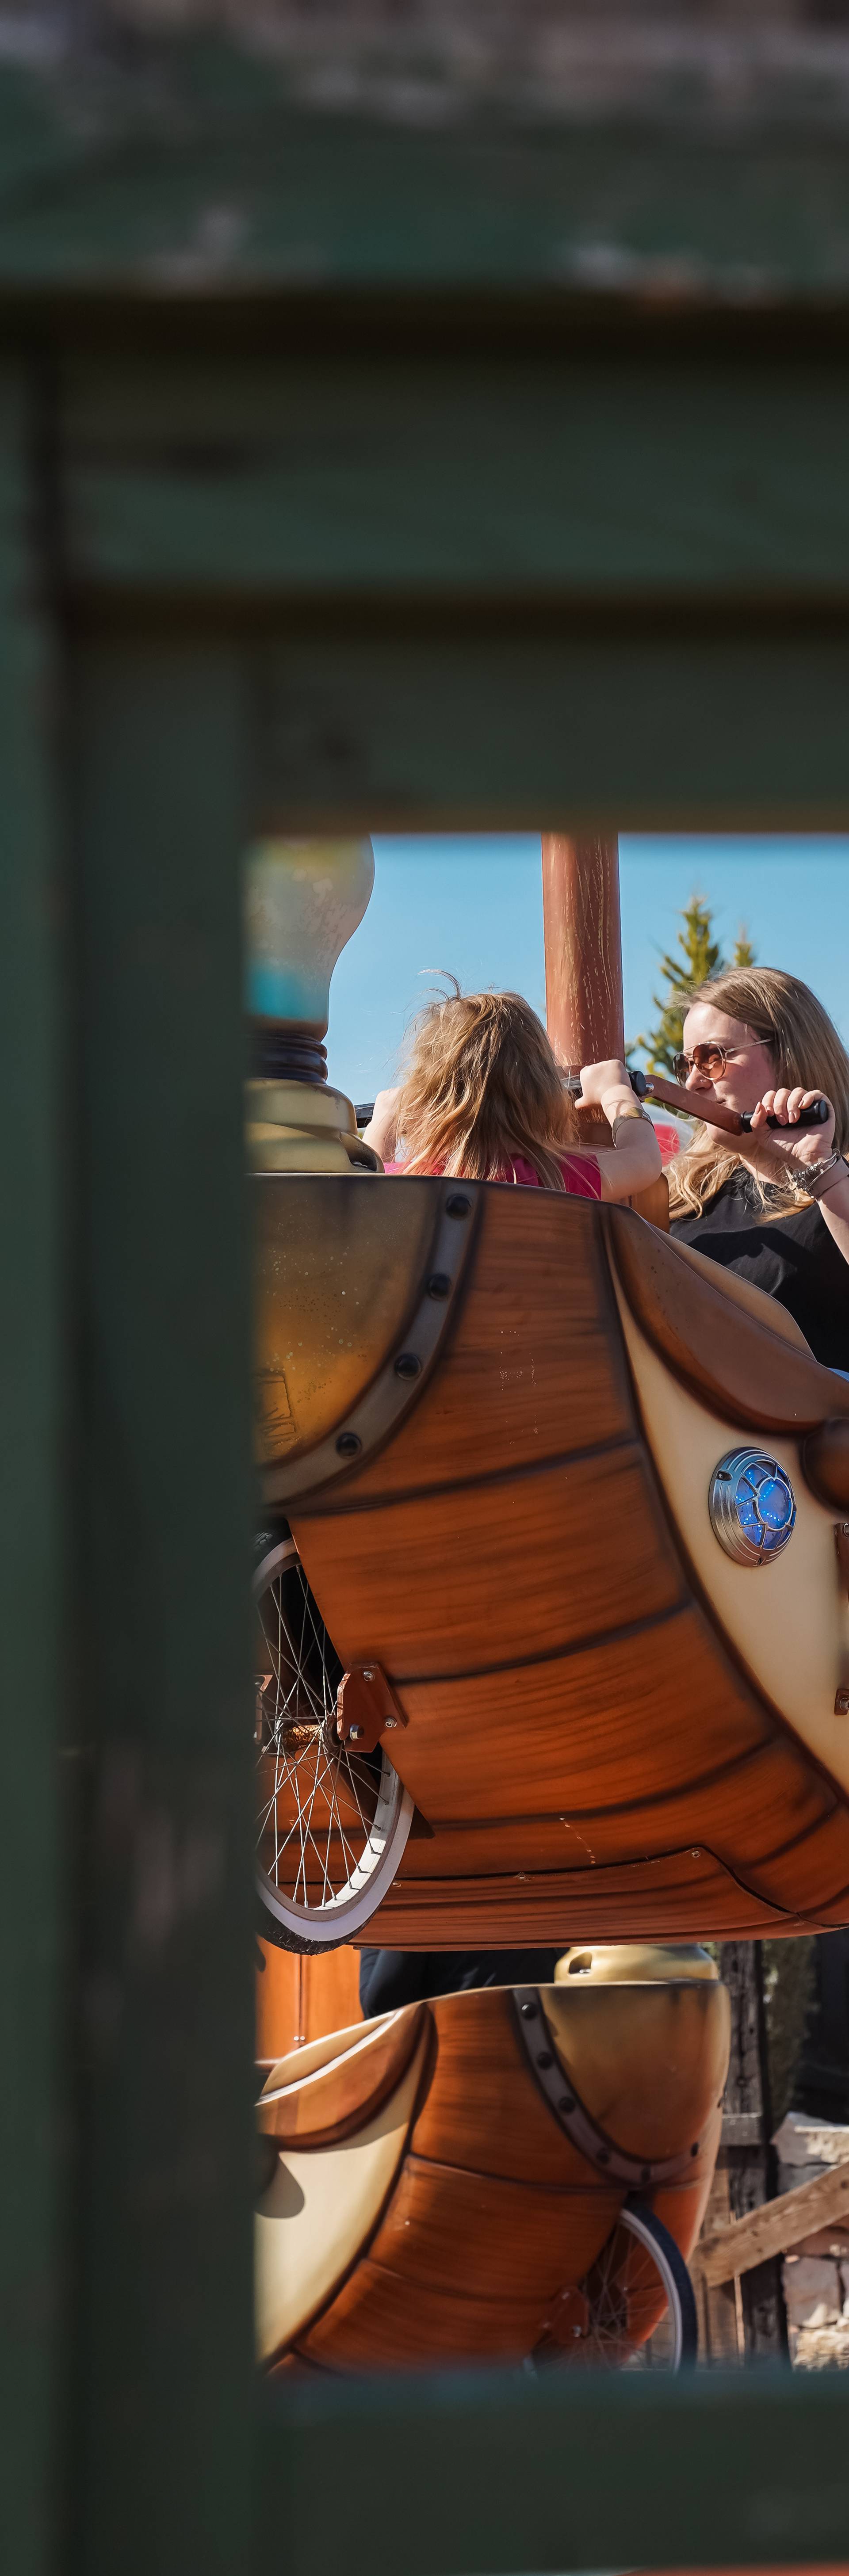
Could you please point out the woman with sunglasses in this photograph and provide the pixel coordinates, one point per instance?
(773, 1205)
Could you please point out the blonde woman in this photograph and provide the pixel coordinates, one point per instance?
(774, 1207)
(482, 1099)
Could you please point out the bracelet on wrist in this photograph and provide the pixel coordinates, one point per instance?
(630, 1115)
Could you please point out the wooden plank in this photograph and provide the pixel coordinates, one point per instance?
(387, 470)
(460, 721)
(164, 2360)
(776, 2227)
(548, 155)
(711, 2469)
(718, 2305)
(34, 1678)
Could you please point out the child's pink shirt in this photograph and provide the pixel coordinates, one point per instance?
(581, 1175)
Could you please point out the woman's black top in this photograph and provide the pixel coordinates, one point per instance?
(792, 1256)
(392, 1977)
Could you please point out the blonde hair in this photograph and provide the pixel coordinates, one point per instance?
(805, 1048)
(480, 1087)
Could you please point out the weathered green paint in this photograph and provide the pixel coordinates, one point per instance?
(34, 1894)
(627, 475)
(496, 2475)
(163, 2359)
(178, 166)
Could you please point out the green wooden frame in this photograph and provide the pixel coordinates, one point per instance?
(381, 552)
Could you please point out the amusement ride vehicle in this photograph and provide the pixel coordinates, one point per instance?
(527, 1666)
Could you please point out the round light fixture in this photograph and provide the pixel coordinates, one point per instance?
(752, 1506)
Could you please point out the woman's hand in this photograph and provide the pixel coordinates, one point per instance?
(798, 1145)
(607, 1086)
(381, 1131)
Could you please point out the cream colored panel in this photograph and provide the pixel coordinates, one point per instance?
(317, 2056)
(317, 2212)
(789, 1621)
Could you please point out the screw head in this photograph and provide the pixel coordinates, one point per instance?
(457, 1205)
(348, 1444)
(545, 2057)
(566, 2103)
(604, 2155)
(439, 1284)
(529, 2012)
(407, 1364)
(388, 1722)
(368, 1675)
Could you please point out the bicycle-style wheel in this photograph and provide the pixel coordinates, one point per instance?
(331, 1823)
(635, 2308)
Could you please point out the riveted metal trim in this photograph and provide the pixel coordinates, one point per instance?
(399, 1382)
(575, 2120)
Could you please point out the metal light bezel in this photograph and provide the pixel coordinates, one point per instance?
(723, 1505)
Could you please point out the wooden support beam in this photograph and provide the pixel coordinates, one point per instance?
(583, 948)
(776, 2227)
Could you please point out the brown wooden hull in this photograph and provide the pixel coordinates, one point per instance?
(600, 1740)
(491, 2213)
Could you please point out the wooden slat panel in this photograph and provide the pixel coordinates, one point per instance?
(489, 2237)
(482, 2108)
(298, 1999)
(488, 1572)
(530, 1369)
(39, 1162)
(377, 2324)
(613, 1722)
(688, 1895)
(755, 1807)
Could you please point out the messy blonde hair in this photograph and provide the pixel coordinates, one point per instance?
(805, 1048)
(481, 1086)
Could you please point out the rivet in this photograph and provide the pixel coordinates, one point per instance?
(695, 1855)
(545, 2057)
(348, 1444)
(529, 2012)
(439, 1284)
(604, 2155)
(566, 2103)
(407, 1364)
(457, 1205)
(387, 1722)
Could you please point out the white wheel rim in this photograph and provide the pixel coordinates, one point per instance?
(325, 1864)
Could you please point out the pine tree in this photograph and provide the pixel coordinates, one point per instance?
(699, 957)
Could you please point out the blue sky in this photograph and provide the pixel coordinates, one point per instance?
(474, 903)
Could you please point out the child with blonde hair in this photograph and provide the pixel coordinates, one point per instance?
(482, 1098)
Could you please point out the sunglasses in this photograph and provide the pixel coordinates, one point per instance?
(710, 1058)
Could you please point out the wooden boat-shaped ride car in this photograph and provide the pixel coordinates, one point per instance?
(495, 2175)
(529, 1467)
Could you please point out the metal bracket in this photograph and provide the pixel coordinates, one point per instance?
(366, 1707)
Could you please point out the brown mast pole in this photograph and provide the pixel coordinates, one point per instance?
(583, 948)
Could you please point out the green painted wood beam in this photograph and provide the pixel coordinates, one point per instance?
(37, 1779)
(178, 167)
(627, 475)
(501, 2475)
(162, 2360)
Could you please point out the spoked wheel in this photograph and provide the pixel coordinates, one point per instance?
(331, 1823)
(635, 2309)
